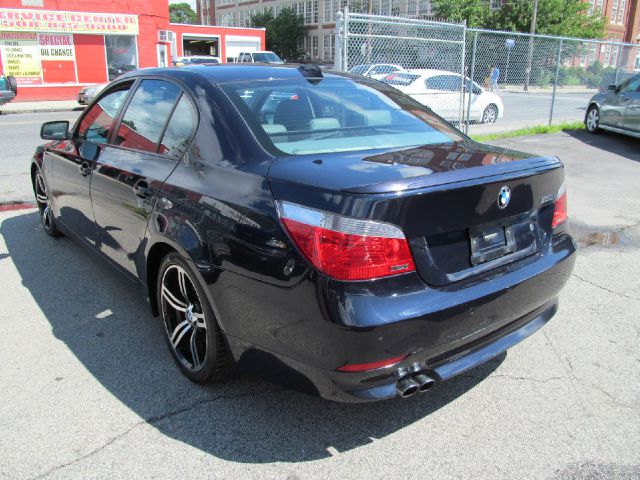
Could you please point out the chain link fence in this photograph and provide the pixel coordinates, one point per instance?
(511, 80)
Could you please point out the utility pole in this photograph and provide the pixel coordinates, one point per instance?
(370, 12)
(530, 54)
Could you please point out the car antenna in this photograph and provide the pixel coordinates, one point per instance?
(311, 71)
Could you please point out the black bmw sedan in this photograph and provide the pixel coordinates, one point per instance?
(316, 226)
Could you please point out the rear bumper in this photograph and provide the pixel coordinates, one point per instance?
(470, 357)
(309, 331)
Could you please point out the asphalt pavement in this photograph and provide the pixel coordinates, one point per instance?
(89, 389)
(530, 109)
(19, 137)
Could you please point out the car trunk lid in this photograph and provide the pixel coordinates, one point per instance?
(444, 197)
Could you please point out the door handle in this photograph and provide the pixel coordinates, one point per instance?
(85, 169)
(142, 190)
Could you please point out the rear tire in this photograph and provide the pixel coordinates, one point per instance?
(195, 340)
(13, 84)
(490, 114)
(592, 121)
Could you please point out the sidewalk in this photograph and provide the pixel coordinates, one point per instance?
(42, 106)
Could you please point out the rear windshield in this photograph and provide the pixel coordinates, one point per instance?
(400, 79)
(268, 57)
(359, 70)
(203, 60)
(334, 115)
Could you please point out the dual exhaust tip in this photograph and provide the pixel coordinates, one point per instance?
(412, 384)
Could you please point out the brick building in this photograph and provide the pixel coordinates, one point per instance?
(623, 25)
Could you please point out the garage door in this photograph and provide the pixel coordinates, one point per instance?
(237, 44)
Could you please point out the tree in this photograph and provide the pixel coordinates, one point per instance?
(265, 20)
(283, 33)
(182, 13)
(475, 12)
(568, 18)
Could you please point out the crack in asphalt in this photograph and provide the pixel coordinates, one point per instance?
(567, 362)
(605, 288)
(149, 421)
(527, 379)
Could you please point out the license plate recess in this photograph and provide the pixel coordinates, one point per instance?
(491, 242)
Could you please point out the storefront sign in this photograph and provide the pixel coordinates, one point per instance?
(20, 57)
(72, 22)
(56, 47)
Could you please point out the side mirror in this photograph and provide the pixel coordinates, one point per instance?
(612, 88)
(58, 130)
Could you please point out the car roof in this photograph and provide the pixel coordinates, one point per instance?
(228, 72)
(431, 72)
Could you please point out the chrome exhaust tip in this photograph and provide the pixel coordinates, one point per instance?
(407, 387)
(425, 382)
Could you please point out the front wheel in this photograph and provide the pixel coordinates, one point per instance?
(490, 114)
(593, 120)
(195, 340)
(43, 201)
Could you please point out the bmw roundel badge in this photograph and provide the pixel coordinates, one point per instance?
(504, 196)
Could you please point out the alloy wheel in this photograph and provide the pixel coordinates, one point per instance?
(184, 317)
(490, 115)
(44, 206)
(593, 120)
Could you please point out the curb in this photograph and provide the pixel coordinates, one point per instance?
(9, 207)
(39, 110)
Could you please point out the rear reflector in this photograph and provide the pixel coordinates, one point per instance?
(364, 367)
(560, 214)
(347, 248)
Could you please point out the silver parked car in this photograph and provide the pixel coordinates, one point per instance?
(617, 109)
(86, 94)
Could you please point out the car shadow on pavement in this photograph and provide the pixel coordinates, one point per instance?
(612, 142)
(103, 320)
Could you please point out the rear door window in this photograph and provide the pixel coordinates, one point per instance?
(147, 114)
(631, 85)
(180, 129)
(382, 69)
(450, 83)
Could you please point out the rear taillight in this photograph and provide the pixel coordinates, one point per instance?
(347, 248)
(560, 208)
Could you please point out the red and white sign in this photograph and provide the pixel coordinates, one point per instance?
(72, 22)
(55, 46)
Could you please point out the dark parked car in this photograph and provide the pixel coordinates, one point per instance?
(346, 239)
(617, 109)
(8, 89)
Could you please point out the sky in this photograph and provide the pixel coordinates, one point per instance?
(190, 2)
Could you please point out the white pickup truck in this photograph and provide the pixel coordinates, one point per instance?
(264, 56)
